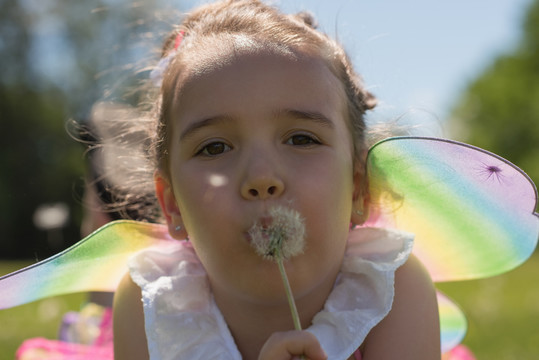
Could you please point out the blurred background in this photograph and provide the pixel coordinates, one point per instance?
(464, 70)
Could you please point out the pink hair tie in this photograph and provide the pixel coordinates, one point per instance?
(157, 73)
(179, 39)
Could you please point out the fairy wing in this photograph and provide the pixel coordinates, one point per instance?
(96, 263)
(453, 324)
(472, 212)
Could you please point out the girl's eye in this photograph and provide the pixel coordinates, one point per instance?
(214, 149)
(302, 140)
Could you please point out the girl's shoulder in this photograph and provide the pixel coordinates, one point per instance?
(364, 290)
(128, 322)
(413, 322)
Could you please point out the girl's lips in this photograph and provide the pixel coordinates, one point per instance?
(264, 222)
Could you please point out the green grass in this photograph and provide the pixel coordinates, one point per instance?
(503, 314)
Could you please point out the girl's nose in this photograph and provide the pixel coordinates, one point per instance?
(262, 183)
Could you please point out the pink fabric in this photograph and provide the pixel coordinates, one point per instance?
(44, 349)
(459, 352)
(105, 337)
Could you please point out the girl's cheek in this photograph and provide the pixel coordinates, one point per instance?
(212, 188)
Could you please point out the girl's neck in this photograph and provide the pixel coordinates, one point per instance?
(251, 324)
(251, 328)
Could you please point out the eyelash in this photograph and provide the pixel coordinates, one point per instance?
(223, 147)
(311, 139)
(204, 150)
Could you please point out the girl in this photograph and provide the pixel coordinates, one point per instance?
(258, 110)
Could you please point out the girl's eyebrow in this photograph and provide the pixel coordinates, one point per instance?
(315, 116)
(197, 125)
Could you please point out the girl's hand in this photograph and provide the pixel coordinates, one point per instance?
(291, 345)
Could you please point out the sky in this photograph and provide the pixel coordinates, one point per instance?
(417, 56)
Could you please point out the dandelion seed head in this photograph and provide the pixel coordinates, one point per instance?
(284, 237)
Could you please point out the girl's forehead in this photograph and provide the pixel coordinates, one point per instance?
(219, 51)
(220, 54)
(281, 71)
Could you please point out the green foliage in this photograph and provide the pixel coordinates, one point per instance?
(500, 109)
(531, 28)
(58, 58)
(42, 164)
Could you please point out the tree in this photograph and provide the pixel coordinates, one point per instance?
(499, 111)
(58, 57)
(40, 165)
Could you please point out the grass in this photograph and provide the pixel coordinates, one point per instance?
(503, 314)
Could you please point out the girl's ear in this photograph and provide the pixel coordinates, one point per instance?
(361, 198)
(169, 206)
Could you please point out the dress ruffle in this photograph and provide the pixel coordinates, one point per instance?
(183, 321)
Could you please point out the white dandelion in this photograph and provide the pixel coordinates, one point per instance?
(281, 239)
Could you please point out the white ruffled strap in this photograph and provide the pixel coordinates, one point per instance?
(181, 318)
(363, 294)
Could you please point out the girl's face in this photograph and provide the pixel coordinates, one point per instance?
(254, 131)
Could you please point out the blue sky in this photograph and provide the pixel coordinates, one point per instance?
(418, 55)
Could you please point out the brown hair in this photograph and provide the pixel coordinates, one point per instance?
(266, 25)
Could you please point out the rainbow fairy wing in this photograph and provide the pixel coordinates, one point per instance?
(96, 263)
(471, 211)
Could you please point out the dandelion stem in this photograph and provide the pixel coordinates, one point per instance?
(290, 297)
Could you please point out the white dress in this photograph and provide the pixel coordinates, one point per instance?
(183, 322)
